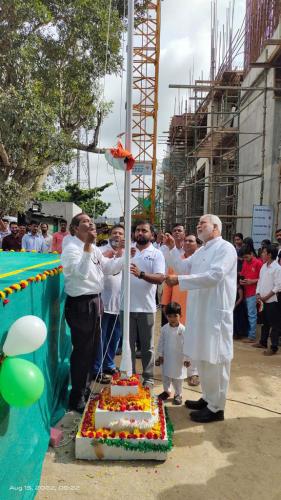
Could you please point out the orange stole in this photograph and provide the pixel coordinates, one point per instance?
(174, 294)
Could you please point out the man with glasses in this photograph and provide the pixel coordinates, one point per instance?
(210, 276)
(84, 267)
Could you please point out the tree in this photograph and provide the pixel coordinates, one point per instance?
(54, 54)
(88, 199)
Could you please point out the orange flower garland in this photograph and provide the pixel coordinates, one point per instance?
(131, 381)
(141, 401)
(87, 427)
(24, 283)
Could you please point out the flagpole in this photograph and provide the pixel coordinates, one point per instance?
(126, 361)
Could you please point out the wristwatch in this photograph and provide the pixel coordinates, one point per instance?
(142, 275)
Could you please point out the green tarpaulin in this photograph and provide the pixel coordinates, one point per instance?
(25, 432)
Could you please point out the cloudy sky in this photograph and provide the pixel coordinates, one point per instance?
(185, 43)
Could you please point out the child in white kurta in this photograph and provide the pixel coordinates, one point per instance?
(170, 354)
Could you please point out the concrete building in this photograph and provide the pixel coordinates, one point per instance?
(260, 113)
(51, 212)
(225, 157)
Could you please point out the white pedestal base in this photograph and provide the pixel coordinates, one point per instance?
(90, 449)
(119, 390)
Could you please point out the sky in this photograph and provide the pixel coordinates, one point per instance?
(185, 44)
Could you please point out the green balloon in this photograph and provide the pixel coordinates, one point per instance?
(21, 382)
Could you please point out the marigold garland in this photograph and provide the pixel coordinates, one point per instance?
(131, 381)
(22, 284)
(140, 401)
(142, 446)
(157, 431)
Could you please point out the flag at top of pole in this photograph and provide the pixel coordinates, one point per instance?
(120, 158)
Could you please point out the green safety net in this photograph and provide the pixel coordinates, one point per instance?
(25, 432)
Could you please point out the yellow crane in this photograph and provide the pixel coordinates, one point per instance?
(145, 109)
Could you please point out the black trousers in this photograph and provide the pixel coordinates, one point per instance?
(83, 315)
(271, 325)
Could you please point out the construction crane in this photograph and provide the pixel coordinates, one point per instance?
(145, 109)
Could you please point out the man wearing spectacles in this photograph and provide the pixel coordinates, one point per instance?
(84, 267)
(210, 276)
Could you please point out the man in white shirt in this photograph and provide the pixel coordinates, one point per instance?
(34, 241)
(210, 276)
(147, 270)
(269, 285)
(111, 330)
(84, 267)
(47, 237)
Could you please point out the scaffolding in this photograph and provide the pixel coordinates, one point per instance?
(201, 170)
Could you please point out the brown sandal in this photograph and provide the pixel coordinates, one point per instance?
(193, 380)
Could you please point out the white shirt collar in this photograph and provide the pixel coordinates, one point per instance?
(212, 242)
(150, 248)
(78, 241)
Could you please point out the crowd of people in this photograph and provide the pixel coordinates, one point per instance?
(197, 306)
(209, 291)
(258, 298)
(34, 236)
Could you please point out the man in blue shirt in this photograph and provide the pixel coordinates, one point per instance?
(34, 240)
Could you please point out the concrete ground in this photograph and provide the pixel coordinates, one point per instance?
(238, 459)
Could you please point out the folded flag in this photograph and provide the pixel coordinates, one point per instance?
(120, 158)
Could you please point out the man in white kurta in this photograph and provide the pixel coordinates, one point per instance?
(210, 276)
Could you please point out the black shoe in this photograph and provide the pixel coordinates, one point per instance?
(87, 393)
(204, 416)
(196, 405)
(269, 353)
(259, 345)
(177, 400)
(79, 407)
(102, 378)
(164, 395)
(111, 371)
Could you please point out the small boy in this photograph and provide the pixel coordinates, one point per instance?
(170, 354)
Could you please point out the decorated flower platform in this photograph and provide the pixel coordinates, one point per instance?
(124, 422)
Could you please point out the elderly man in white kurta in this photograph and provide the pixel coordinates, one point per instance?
(210, 276)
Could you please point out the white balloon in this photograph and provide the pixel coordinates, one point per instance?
(25, 335)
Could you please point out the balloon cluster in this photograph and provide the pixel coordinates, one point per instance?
(21, 382)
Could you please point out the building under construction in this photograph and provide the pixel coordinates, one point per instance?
(224, 155)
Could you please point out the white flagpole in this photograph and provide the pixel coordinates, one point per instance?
(126, 361)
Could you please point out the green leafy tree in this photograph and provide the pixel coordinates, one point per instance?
(88, 199)
(54, 55)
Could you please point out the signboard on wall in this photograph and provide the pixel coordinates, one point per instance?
(262, 224)
(142, 168)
